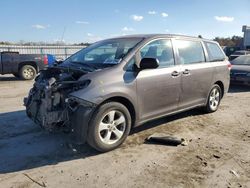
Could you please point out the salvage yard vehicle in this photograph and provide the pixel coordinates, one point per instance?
(238, 53)
(240, 72)
(106, 89)
(24, 66)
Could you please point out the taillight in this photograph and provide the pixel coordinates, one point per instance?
(229, 65)
(45, 60)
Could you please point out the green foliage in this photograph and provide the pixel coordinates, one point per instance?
(230, 41)
(4, 43)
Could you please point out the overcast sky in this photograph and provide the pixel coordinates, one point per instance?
(79, 21)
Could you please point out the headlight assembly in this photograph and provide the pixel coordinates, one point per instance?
(74, 85)
(73, 102)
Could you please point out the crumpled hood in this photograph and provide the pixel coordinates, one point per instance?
(61, 73)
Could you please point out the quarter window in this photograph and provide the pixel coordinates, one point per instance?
(161, 50)
(190, 52)
(130, 65)
(214, 52)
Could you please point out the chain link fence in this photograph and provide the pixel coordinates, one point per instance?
(60, 52)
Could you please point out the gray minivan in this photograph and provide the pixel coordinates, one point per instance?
(104, 90)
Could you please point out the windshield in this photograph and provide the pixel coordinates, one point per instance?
(241, 60)
(103, 54)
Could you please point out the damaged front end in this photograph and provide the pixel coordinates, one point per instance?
(48, 103)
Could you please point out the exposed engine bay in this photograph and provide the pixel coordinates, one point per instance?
(47, 103)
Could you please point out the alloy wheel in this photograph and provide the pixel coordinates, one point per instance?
(112, 127)
(214, 98)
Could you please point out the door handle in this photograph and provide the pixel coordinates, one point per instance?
(186, 71)
(175, 74)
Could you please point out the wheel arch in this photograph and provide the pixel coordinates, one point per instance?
(221, 85)
(126, 102)
(32, 63)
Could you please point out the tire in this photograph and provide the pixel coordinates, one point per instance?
(109, 126)
(214, 99)
(27, 72)
(16, 75)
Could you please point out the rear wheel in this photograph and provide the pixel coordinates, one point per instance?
(27, 72)
(109, 127)
(214, 99)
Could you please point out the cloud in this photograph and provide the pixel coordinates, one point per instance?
(129, 29)
(38, 26)
(137, 18)
(90, 34)
(166, 30)
(224, 18)
(164, 14)
(152, 12)
(82, 22)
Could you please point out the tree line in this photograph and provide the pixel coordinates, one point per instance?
(230, 41)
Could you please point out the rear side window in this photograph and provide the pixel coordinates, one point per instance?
(214, 52)
(190, 52)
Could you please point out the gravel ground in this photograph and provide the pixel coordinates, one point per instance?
(217, 154)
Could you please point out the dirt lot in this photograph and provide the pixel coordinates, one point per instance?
(217, 155)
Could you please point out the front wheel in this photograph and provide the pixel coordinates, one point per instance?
(109, 127)
(214, 99)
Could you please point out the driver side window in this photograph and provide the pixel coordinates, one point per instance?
(159, 49)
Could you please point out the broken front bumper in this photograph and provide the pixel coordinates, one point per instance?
(45, 107)
(38, 112)
(79, 121)
(71, 113)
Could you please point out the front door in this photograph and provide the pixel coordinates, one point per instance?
(158, 90)
(10, 62)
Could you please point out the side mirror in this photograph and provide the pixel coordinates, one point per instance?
(149, 63)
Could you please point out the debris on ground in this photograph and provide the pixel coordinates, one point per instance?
(40, 184)
(216, 156)
(48, 155)
(203, 161)
(164, 139)
(184, 142)
(234, 173)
